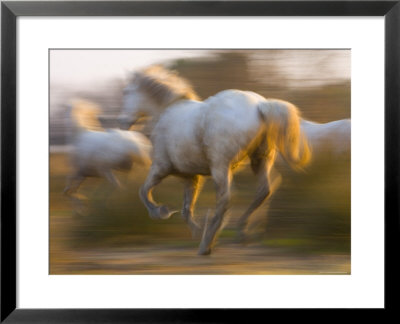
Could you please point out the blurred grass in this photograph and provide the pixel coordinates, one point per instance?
(310, 212)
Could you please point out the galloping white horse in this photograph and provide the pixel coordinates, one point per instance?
(98, 152)
(193, 139)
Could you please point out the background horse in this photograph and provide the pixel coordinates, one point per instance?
(192, 139)
(334, 137)
(330, 143)
(97, 152)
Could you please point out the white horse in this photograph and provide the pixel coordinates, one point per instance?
(193, 139)
(97, 152)
(330, 140)
(333, 137)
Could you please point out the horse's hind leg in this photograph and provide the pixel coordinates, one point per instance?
(155, 176)
(73, 184)
(222, 179)
(191, 192)
(261, 167)
(111, 178)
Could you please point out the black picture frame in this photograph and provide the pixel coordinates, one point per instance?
(11, 10)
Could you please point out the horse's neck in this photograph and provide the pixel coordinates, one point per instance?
(153, 120)
(74, 130)
(149, 127)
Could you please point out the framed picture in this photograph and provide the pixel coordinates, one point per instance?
(94, 254)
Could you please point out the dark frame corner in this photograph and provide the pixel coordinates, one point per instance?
(10, 10)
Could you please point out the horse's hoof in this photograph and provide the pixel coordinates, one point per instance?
(165, 213)
(204, 251)
(161, 212)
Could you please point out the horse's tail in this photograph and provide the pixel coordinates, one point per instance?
(284, 132)
(84, 115)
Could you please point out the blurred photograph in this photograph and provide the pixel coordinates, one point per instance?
(187, 162)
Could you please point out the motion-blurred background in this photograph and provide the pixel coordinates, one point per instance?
(305, 227)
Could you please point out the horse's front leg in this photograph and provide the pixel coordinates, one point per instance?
(222, 179)
(155, 176)
(192, 189)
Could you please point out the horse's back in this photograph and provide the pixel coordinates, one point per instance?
(233, 98)
(109, 150)
(342, 126)
(133, 144)
(130, 137)
(193, 135)
(232, 122)
(334, 136)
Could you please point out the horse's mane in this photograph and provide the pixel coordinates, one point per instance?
(163, 85)
(84, 114)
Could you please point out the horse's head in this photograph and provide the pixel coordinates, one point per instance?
(150, 92)
(136, 104)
